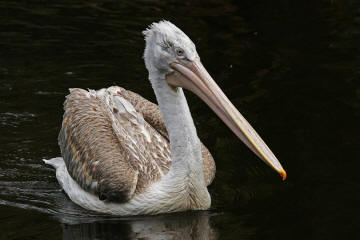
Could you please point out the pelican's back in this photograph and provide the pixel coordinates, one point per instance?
(108, 147)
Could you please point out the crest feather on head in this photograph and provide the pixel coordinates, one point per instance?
(163, 26)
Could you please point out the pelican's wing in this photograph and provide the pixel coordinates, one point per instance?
(107, 146)
(153, 116)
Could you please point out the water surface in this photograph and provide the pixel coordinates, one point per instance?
(291, 67)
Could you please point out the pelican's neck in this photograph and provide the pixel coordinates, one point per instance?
(184, 142)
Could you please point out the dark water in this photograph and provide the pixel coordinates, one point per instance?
(291, 67)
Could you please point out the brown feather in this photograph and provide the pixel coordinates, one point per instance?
(152, 114)
(113, 149)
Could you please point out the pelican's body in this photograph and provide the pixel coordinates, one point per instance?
(115, 148)
(124, 155)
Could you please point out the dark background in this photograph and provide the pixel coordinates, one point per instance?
(291, 67)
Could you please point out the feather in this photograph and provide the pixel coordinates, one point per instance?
(115, 143)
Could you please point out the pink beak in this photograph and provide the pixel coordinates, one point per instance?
(194, 77)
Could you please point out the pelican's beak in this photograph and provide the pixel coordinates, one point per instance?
(194, 77)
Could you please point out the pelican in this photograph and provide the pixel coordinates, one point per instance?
(123, 155)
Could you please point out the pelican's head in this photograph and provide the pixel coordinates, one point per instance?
(169, 52)
(165, 44)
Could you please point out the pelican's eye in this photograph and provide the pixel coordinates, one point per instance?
(179, 52)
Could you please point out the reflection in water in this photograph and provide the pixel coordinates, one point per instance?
(78, 223)
(175, 226)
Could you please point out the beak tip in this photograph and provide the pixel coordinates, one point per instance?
(283, 174)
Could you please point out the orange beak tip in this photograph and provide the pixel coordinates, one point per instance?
(283, 174)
